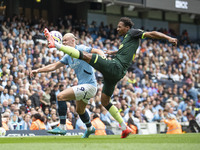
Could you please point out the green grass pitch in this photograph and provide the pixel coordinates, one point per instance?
(110, 142)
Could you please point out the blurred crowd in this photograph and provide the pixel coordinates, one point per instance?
(162, 79)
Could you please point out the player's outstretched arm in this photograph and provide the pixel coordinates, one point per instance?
(47, 68)
(159, 35)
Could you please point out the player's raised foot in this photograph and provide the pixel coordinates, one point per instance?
(50, 39)
(88, 132)
(57, 130)
(126, 132)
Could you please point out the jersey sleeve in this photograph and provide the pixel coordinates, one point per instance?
(83, 48)
(64, 60)
(137, 33)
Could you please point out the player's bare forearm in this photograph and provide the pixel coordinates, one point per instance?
(50, 67)
(98, 51)
(159, 35)
(110, 52)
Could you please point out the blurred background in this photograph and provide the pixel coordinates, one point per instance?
(177, 15)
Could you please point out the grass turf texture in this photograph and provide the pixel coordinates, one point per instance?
(110, 142)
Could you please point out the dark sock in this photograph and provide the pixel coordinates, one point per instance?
(108, 106)
(86, 119)
(62, 111)
(81, 55)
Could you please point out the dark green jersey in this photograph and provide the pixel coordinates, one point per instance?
(128, 47)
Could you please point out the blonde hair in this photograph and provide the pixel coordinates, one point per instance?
(71, 35)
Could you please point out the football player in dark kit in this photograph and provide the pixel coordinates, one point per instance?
(115, 69)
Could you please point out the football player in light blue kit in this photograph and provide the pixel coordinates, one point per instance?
(86, 88)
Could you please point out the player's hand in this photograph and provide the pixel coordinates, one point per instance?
(109, 52)
(174, 41)
(103, 56)
(33, 73)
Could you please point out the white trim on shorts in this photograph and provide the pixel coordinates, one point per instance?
(84, 92)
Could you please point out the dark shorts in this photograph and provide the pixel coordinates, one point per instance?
(112, 72)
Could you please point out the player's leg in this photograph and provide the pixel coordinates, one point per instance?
(62, 97)
(71, 51)
(80, 109)
(83, 93)
(108, 89)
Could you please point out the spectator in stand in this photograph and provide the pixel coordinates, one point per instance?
(26, 122)
(133, 126)
(13, 123)
(192, 92)
(37, 122)
(194, 127)
(173, 126)
(5, 120)
(4, 95)
(46, 122)
(54, 121)
(53, 94)
(5, 105)
(180, 117)
(35, 99)
(80, 124)
(21, 96)
(106, 117)
(45, 101)
(183, 104)
(28, 106)
(12, 96)
(158, 116)
(98, 124)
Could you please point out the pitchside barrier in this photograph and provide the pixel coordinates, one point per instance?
(145, 128)
(14, 133)
(149, 128)
(156, 128)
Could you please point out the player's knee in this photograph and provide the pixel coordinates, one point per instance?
(104, 103)
(59, 97)
(80, 111)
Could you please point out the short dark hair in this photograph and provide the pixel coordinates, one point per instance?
(127, 21)
(38, 116)
(95, 116)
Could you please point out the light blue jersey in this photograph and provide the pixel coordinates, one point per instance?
(84, 72)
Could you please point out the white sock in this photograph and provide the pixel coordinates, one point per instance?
(62, 126)
(123, 126)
